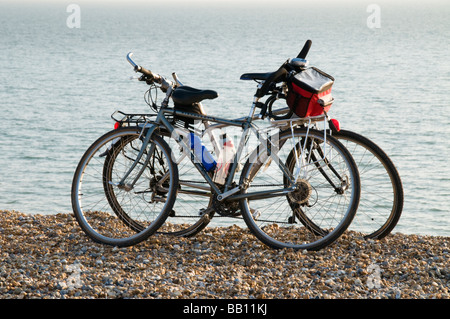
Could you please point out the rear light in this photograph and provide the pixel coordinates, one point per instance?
(335, 125)
(117, 125)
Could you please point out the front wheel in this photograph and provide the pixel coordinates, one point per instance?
(124, 214)
(306, 196)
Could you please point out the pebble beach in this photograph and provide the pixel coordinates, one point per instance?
(50, 257)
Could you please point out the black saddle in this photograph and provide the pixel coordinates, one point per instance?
(256, 76)
(186, 95)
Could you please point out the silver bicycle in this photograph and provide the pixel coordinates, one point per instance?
(298, 187)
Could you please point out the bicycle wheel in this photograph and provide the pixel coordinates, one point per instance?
(319, 186)
(381, 202)
(192, 209)
(123, 215)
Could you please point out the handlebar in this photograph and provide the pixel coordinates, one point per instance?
(275, 77)
(129, 55)
(150, 78)
(282, 72)
(304, 52)
(149, 75)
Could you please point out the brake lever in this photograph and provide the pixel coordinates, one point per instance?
(142, 78)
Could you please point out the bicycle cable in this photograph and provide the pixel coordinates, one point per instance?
(148, 97)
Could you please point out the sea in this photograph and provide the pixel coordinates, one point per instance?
(63, 72)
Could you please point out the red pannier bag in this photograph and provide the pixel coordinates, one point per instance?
(309, 92)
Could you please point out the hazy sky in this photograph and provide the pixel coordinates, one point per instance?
(228, 2)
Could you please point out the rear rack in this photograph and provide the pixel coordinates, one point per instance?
(144, 119)
(132, 118)
(298, 120)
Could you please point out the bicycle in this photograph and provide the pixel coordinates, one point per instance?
(381, 203)
(382, 197)
(310, 177)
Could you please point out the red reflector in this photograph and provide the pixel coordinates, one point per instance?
(336, 124)
(116, 125)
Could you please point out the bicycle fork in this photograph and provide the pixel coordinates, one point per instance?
(128, 187)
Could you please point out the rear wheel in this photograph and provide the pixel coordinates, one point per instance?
(381, 201)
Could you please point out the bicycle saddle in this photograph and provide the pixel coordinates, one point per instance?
(188, 95)
(256, 76)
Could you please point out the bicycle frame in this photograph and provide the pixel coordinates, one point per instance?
(245, 123)
(228, 191)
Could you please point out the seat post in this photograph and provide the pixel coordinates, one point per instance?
(255, 101)
(253, 107)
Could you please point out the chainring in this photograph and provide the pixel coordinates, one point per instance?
(226, 208)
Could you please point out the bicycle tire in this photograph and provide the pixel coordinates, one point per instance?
(191, 213)
(95, 191)
(278, 228)
(382, 196)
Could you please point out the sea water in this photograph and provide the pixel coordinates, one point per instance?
(63, 72)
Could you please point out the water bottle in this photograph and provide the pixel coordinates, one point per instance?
(202, 152)
(224, 160)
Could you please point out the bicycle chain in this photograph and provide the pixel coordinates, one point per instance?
(265, 185)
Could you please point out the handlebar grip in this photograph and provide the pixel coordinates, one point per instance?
(144, 71)
(304, 52)
(150, 76)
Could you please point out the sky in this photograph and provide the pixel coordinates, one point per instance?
(225, 2)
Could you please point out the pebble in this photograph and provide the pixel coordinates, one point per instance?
(49, 257)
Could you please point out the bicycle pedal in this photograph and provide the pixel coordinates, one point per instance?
(157, 199)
